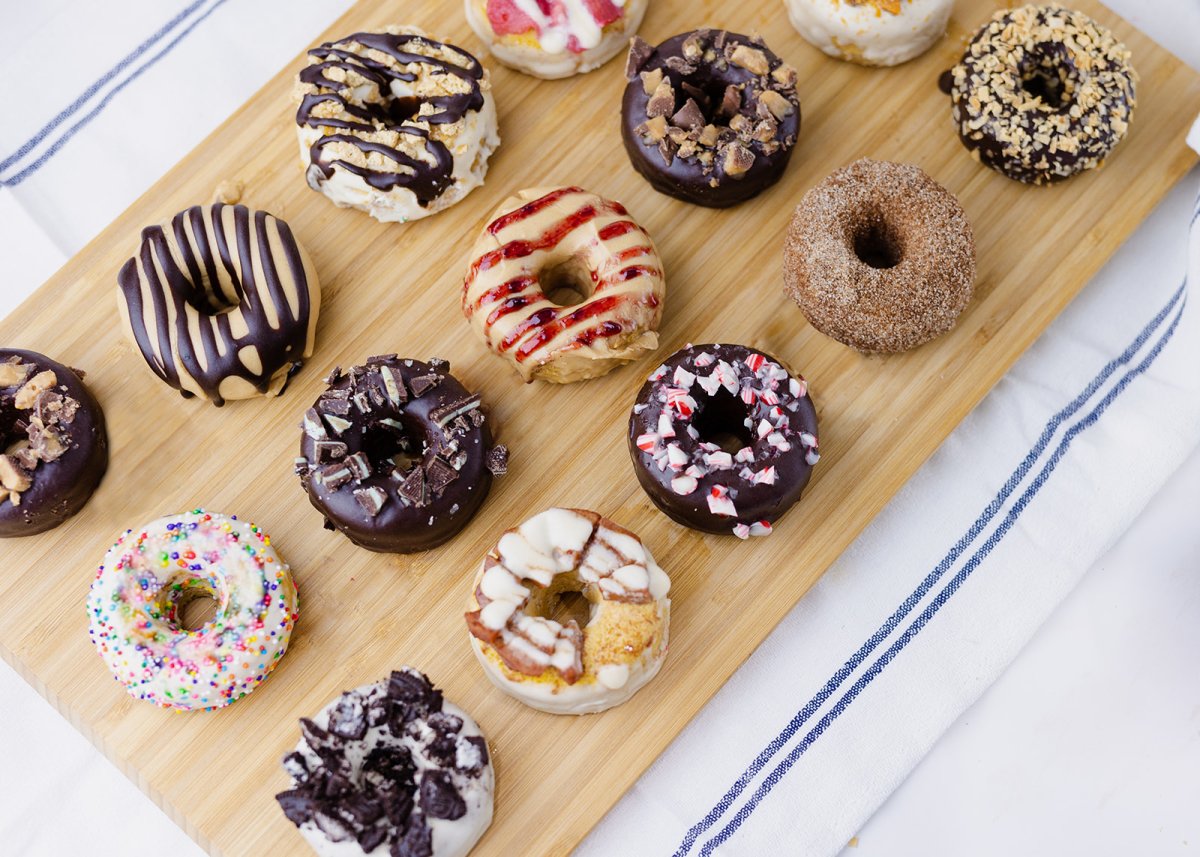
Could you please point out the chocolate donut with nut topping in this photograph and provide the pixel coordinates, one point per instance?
(709, 117)
(54, 444)
(397, 454)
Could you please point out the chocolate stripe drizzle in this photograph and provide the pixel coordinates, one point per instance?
(429, 177)
(197, 291)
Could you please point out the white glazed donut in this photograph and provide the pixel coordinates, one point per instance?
(565, 669)
(395, 123)
(544, 239)
(555, 38)
(390, 768)
(871, 32)
(153, 571)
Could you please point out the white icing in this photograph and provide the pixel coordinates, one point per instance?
(613, 676)
(865, 34)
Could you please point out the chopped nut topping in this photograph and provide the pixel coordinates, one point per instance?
(751, 59)
(738, 159)
(27, 396)
(709, 136)
(779, 106)
(655, 129)
(785, 76)
(11, 476)
(14, 373)
(651, 79)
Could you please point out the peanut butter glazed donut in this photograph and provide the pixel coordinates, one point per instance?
(555, 38)
(871, 32)
(390, 768)
(563, 668)
(1042, 93)
(55, 447)
(397, 455)
(709, 117)
(723, 439)
(148, 577)
(543, 244)
(880, 257)
(222, 302)
(396, 123)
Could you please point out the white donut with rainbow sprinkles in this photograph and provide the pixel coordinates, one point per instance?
(153, 572)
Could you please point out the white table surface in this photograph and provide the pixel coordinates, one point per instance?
(1088, 744)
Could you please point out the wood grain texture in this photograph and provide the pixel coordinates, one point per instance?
(396, 288)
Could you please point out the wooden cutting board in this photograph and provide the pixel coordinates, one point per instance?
(396, 288)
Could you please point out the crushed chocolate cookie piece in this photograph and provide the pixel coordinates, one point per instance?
(497, 460)
(439, 797)
(371, 499)
(439, 474)
(689, 116)
(412, 489)
(639, 53)
(422, 384)
(348, 719)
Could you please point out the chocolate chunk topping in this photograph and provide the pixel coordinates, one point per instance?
(360, 467)
(393, 385)
(497, 460)
(446, 413)
(371, 838)
(439, 797)
(439, 474)
(380, 358)
(639, 52)
(334, 476)
(437, 364)
(689, 116)
(371, 499)
(313, 427)
(412, 488)
(422, 384)
(339, 407)
(329, 450)
(338, 424)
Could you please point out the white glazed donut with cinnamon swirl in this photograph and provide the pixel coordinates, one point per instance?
(560, 667)
(564, 284)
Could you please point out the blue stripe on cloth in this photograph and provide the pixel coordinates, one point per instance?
(926, 585)
(944, 596)
(91, 114)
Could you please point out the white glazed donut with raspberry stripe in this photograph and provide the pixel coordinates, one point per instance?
(544, 243)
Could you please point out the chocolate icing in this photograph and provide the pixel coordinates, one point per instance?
(275, 329)
(700, 420)
(1024, 103)
(60, 487)
(700, 67)
(397, 454)
(426, 180)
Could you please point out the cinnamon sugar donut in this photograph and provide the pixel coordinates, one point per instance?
(560, 667)
(544, 243)
(880, 257)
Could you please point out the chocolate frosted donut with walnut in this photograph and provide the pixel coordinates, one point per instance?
(1042, 93)
(55, 448)
(397, 454)
(880, 257)
(723, 439)
(395, 123)
(709, 117)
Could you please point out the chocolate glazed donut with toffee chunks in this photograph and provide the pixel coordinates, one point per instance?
(397, 454)
(222, 301)
(709, 117)
(54, 441)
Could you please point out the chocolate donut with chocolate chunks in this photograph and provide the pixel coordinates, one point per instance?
(397, 454)
(709, 117)
(55, 447)
(724, 439)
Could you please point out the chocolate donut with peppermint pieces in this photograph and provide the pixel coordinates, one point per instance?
(709, 117)
(390, 768)
(397, 454)
(53, 444)
(724, 439)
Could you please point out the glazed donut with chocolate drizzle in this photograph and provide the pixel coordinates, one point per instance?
(1042, 93)
(395, 123)
(222, 301)
(724, 439)
(397, 454)
(560, 667)
(545, 243)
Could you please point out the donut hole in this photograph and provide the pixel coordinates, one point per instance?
(209, 298)
(190, 603)
(721, 419)
(387, 446)
(1048, 77)
(567, 283)
(562, 601)
(402, 108)
(876, 242)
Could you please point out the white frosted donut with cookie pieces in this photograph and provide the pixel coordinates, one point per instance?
(544, 242)
(871, 32)
(555, 38)
(563, 668)
(395, 123)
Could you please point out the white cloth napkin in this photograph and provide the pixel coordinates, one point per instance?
(902, 634)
